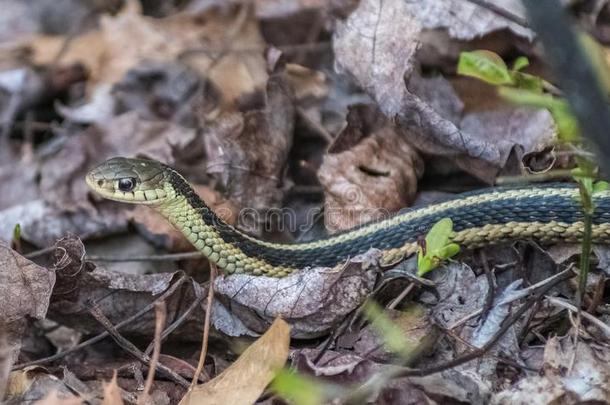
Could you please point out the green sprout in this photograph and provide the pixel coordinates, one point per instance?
(437, 247)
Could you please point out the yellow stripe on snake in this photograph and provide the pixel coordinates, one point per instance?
(548, 213)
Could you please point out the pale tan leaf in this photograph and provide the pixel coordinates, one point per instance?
(245, 380)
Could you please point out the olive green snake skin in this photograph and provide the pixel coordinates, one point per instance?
(548, 213)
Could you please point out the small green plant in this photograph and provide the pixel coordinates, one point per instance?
(298, 389)
(393, 338)
(524, 89)
(437, 247)
(490, 68)
(16, 241)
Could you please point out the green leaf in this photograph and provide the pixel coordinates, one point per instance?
(484, 65)
(437, 248)
(600, 186)
(526, 81)
(439, 234)
(297, 388)
(520, 63)
(17, 233)
(393, 338)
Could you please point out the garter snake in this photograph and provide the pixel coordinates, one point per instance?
(548, 213)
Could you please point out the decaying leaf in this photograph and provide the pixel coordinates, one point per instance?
(387, 75)
(311, 300)
(244, 381)
(25, 291)
(369, 173)
(571, 373)
(249, 152)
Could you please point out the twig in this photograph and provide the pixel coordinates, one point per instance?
(491, 292)
(501, 12)
(41, 252)
(172, 327)
(103, 335)
(160, 316)
(401, 296)
(206, 327)
(564, 304)
(148, 258)
(398, 372)
(131, 348)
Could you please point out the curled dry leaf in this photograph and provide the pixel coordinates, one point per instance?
(372, 174)
(311, 300)
(249, 152)
(130, 293)
(244, 381)
(25, 291)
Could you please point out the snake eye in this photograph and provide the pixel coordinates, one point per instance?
(127, 183)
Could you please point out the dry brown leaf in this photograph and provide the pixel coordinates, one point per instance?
(249, 152)
(308, 84)
(244, 381)
(25, 291)
(112, 392)
(312, 300)
(571, 374)
(87, 49)
(372, 179)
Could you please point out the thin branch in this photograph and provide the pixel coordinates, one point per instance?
(103, 335)
(566, 305)
(149, 258)
(160, 317)
(206, 326)
(501, 12)
(174, 325)
(564, 275)
(132, 349)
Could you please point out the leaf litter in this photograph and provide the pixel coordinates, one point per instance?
(291, 121)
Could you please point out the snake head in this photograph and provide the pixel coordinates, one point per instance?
(137, 181)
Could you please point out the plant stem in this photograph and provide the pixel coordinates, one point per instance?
(585, 257)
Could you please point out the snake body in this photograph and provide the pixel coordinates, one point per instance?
(549, 213)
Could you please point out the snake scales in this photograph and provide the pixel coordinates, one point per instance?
(546, 213)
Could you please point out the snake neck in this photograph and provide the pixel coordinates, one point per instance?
(230, 249)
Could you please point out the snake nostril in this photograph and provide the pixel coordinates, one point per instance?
(100, 183)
